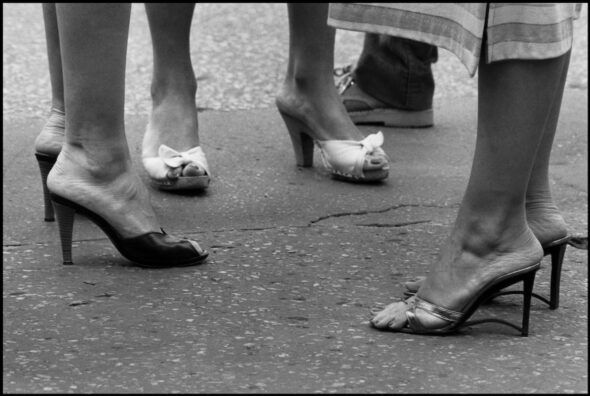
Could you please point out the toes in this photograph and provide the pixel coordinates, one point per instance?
(192, 170)
(376, 161)
(392, 316)
(174, 173)
(196, 246)
(189, 170)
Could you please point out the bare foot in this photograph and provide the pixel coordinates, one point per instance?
(467, 263)
(111, 189)
(174, 123)
(51, 138)
(545, 221)
(393, 316)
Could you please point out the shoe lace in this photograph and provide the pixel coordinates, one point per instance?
(345, 79)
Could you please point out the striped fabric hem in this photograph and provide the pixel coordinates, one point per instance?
(514, 31)
(531, 51)
(441, 31)
(527, 31)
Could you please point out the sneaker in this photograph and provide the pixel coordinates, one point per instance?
(365, 109)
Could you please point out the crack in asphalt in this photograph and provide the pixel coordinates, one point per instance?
(366, 212)
(393, 225)
(309, 224)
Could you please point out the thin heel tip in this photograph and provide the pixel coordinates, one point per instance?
(68, 263)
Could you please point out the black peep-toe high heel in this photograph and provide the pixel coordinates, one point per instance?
(153, 249)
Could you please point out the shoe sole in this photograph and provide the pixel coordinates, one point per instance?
(394, 118)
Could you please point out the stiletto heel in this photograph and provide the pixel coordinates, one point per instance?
(65, 223)
(557, 252)
(45, 164)
(302, 142)
(527, 294)
(458, 319)
(152, 249)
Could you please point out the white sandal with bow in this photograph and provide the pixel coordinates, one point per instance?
(168, 159)
(344, 158)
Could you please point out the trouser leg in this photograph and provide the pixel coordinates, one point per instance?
(397, 71)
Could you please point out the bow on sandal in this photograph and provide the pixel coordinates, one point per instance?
(168, 159)
(346, 158)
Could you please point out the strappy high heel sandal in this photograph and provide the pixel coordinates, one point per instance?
(55, 125)
(344, 158)
(152, 250)
(557, 251)
(459, 319)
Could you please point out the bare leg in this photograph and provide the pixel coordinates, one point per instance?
(51, 138)
(54, 56)
(542, 213)
(308, 91)
(173, 121)
(491, 236)
(94, 168)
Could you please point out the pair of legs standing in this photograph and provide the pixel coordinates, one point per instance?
(392, 83)
(94, 169)
(507, 210)
(173, 121)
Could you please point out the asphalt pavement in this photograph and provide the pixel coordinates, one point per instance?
(298, 259)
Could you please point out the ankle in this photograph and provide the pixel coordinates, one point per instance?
(105, 163)
(310, 83)
(58, 107)
(539, 197)
(482, 233)
(165, 88)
